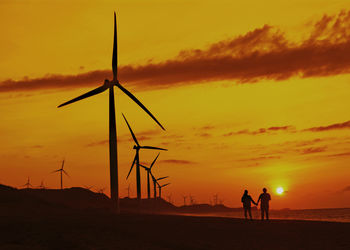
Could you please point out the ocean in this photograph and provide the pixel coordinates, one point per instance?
(325, 214)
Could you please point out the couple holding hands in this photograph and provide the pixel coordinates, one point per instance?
(264, 200)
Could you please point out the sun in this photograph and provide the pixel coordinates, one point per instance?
(280, 190)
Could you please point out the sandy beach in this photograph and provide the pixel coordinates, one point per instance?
(77, 218)
(95, 230)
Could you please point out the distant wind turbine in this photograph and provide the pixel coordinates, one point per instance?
(27, 185)
(160, 188)
(216, 199)
(192, 200)
(113, 153)
(101, 190)
(184, 197)
(148, 170)
(61, 170)
(42, 186)
(136, 160)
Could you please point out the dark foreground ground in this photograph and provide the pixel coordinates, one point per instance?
(96, 230)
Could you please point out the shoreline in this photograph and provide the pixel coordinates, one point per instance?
(217, 215)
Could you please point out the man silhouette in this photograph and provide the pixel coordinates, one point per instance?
(264, 205)
(247, 200)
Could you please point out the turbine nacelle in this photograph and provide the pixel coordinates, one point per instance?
(107, 83)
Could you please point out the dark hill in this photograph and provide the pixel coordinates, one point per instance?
(49, 200)
(76, 198)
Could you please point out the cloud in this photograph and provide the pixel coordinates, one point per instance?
(261, 158)
(261, 131)
(346, 189)
(148, 132)
(313, 150)
(205, 128)
(55, 82)
(264, 53)
(335, 126)
(141, 136)
(345, 154)
(98, 143)
(174, 161)
(308, 142)
(291, 129)
(204, 135)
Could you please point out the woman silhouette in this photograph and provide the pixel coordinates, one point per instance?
(247, 200)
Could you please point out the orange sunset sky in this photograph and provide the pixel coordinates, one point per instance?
(252, 94)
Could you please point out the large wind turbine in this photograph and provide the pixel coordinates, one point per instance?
(113, 154)
(61, 170)
(136, 160)
(148, 170)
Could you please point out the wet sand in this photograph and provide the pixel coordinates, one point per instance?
(97, 230)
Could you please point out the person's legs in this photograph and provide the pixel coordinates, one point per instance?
(262, 213)
(267, 213)
(250, 213)
(245, 212)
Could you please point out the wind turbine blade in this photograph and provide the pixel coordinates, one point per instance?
(132, 133)
(65, 173)
(153, 178)
(139, 103)
(150, 147)
(161, 178)
(56, 171)
(154, 161)
(165, 185)
(62, 164)
(88, 94)
(144, 167)
(132, 165)
(115, 51)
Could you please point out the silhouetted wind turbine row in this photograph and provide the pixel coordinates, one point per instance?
(148, 170)
(109, 84)
(136, 160)
(156, 183)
